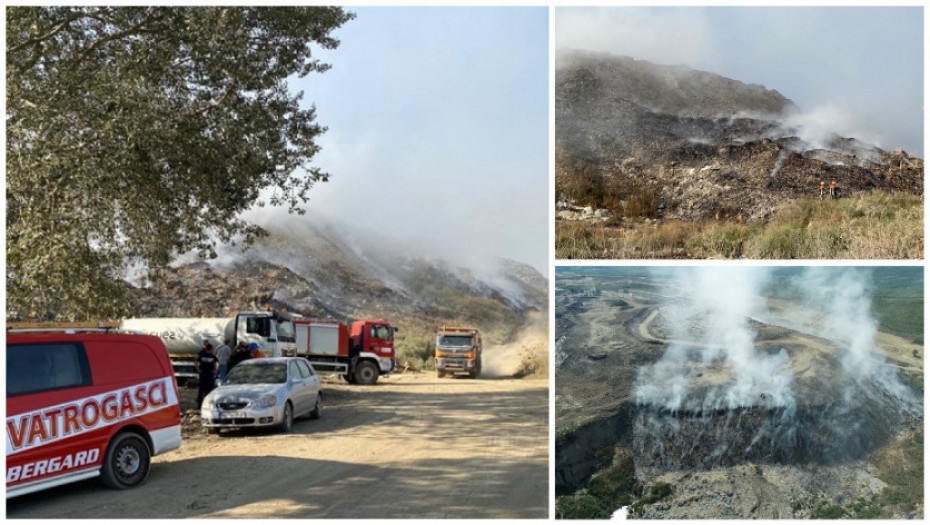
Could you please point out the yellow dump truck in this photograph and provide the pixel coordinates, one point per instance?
(458, 351)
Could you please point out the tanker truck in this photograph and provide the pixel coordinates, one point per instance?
(360, 352)
(184, 337)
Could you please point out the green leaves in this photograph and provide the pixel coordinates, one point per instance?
(137, 133)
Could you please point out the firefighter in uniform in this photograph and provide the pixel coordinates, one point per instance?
(207, 365)
(822, 187)
(833, 189)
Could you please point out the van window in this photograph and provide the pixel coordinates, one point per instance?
(32, 368)
(258, 325)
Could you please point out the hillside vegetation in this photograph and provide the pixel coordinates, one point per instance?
(656, 161)
(875, 225)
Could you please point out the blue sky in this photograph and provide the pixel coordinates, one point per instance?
(438, 130)
(857, 69)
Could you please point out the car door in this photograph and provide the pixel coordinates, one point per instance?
(42, 376)
(312, 381)
(298, 388)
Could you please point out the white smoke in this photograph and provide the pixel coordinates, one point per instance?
(843, 296)
(819, 127)
(712, 335)
(304, 244)
(716, 397)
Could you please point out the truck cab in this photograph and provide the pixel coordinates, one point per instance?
(458, 351)
(271, 329)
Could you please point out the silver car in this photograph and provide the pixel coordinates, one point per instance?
(264, 392)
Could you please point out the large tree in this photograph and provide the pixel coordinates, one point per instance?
(137, 133)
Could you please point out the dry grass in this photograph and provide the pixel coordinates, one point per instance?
(664, 240)
(873, 226)
(583, 180)
(901, 466)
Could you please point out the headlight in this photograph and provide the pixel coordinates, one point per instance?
(266, 401)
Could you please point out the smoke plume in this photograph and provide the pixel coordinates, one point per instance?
(720, 396)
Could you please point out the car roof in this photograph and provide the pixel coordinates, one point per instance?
(67, 336)
(270, 360)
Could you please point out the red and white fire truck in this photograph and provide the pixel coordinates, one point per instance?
(360, 352)
(82, 404)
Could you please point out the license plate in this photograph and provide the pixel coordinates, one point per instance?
(232, 415)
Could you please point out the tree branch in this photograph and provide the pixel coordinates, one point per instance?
(133, 30)
(41, 38)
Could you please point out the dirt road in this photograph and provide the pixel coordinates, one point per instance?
(412, 446)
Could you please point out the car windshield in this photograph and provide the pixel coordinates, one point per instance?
(257, 373)
(455, 340)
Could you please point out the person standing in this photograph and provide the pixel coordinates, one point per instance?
(222, 355)
(241, 354)
(206, 365)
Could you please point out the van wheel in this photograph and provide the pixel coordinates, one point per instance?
(127, 461)
(366, 373)
(288, 422)
(317, 411)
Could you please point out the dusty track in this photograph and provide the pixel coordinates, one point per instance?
(413, 446)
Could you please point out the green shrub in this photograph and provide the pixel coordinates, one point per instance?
(657, 492)
(828, 512)
(612, 484)
(872, 512)
(894, 496)
(865, 510)
(581, 508)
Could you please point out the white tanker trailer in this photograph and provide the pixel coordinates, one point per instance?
(184, 337)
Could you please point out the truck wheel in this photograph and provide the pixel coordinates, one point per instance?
(366, 373)
(288, 423)
(317, 411)
(349, 378)
(127, 461)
